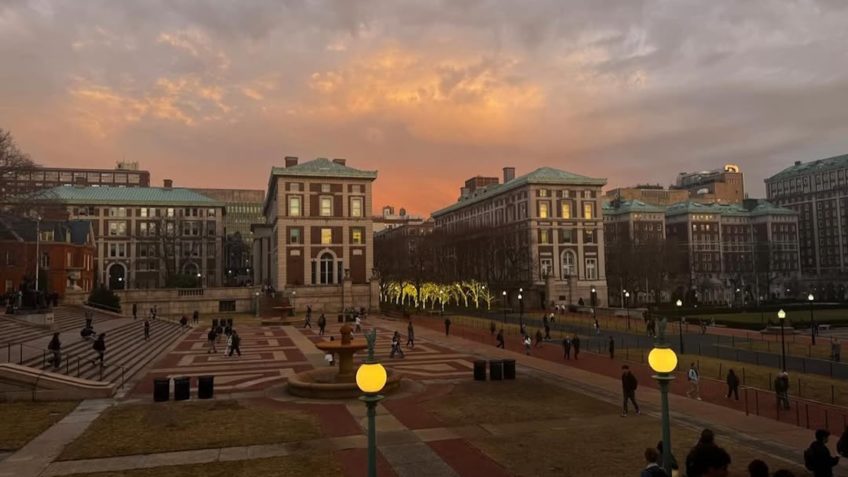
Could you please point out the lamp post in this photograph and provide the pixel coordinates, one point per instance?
(594, 298)
(37, 248)
(520, 306)
(504, 307)
(781, 315)
(680, 324)
(760, 306)
(200, 280)
(812, 299)
(256, 304)
(626, 307)
(663, 361)
(370, 379)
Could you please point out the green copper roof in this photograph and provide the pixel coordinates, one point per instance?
(323, 167)
(543, 175)
(128, 196)
(804, 168)
(751, 207)
(630, 206)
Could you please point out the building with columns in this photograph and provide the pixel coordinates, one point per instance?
(541, 233)
(147, 236)
(316, 245)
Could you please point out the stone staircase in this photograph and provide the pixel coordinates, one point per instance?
(127, 352)
(66, 318)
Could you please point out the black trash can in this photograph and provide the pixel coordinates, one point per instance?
(496, 370)
(509, 368)
(479, 370)
(161, 389)
(182, 389)
(205, 387)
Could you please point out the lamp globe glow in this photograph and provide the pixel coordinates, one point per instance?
(371, 377)
(781, 314)
(662, 360)
(679, 302)
(811, 297)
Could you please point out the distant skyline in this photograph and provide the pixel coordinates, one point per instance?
(429, 93)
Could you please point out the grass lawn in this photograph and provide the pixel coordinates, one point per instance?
(594, 441)
(22, 421)
(163, 427)
(298, 465)
(797, 315)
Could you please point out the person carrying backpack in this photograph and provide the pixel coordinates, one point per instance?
(817, 457)
(322, 323)
(235, 343)
(55, 347)
(628, 388)
(99, 347)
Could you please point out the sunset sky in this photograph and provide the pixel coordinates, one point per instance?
(213, 93)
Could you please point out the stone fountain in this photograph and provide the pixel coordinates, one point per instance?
(333, 383)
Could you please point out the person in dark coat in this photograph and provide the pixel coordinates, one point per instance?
(447, 326)
(611, 347)
(410, 335)
(707, 460)
(758, 468)
(653, 469)
(99, 347)
(566, 348)
(576, 343)
(146, 329)
(322, 323)
(183, 321)
(628, 389)
(492, 327)
(547, 331)
(673, 459)
(538, 338)
(781, 390)
(732, 384)
(212, 337)
(195, 318)
(236, 347)
(135, 310)
(55, 347)
(500, 339)
(817, 457)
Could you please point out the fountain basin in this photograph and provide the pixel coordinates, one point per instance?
(322, 383)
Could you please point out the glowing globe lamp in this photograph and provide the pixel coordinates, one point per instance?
(662, 360)
(371, 377)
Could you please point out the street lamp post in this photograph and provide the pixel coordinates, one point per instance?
(680, 325)
(37, 248)
(504, 307)
(594, 300)
(626, 307)
(256, 304)
(370, 379)
(663, 361)
(781, 315)
(812, 299)
(760, 306)
(520, 308)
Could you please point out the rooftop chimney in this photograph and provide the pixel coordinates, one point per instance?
(509, 174)
(168, 183)
(291, 161)
(340, 162)
(797, 163)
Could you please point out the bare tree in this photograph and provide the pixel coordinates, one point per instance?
(13, 163)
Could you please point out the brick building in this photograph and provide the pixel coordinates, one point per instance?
(317, 240)
(148, 237)
(65, 251)
(541, 232)
(125, 174)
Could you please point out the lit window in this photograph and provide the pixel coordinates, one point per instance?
(326, 206)
(294, 236)
(326, 236)
(544, 209)
(356, 207)
(588, 210)
(294, 206)
(566, 210)
(356, 236)
(142, 212)
(544, 236)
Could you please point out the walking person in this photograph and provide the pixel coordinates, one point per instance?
(447, 326)
(135, 310)
(307, 322)
(566, 348)
(538, 338)
(211, 337)
(758, 468)
(322, 324)
(547, 331)
(146, 329)
(195, 318)
(576, 343)
(817, 457)
(99, 347)
(528, 342)
(358, 323)
(732, 384)
(597, 326)
(396, 349)
(183, 322)
(611, 347)
(55, 347)
(410, 335)
(835, 349)
(694, 379)
(781, 390)
(628, 389)
(235, 343)
(653, 469)
(500, 339)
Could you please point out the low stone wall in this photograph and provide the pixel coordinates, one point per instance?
(329, 299)
(184, 301)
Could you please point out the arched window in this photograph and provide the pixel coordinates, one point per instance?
(569, 263)
(326, 267)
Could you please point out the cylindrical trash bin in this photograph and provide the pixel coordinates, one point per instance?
(205, 387)
(182, 389)
(509, 368)
(479, 370)
(161, 389)
(496, 370)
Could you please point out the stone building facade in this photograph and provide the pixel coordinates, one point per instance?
(146, 236)
(316, 246)
(548, 234)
